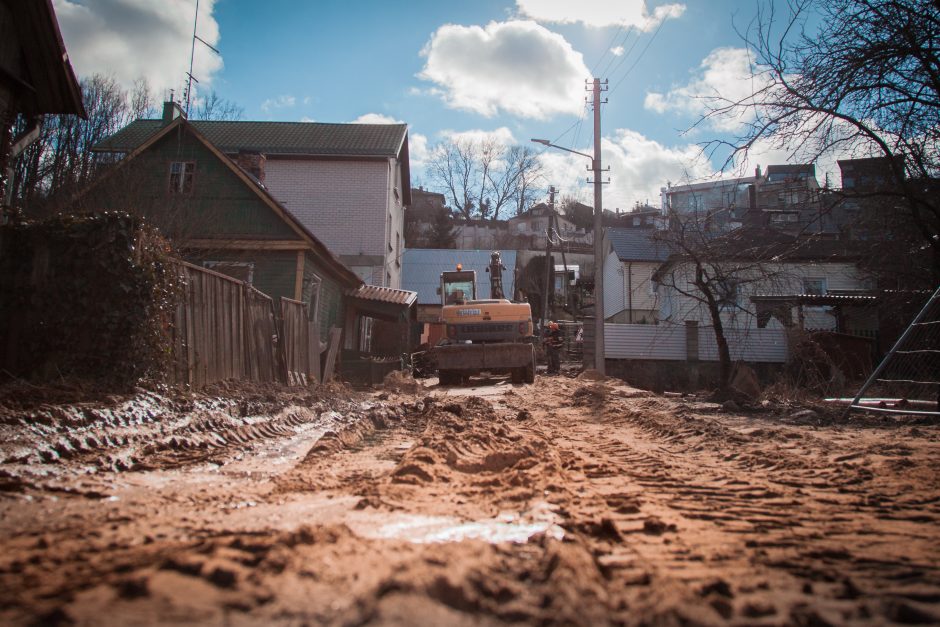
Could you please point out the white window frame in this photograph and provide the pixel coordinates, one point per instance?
(185, 168)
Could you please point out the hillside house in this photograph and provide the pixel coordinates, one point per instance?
(348, 183)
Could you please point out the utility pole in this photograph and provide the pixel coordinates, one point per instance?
(598, 232)
(548, 255)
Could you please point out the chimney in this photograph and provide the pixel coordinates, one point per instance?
(171, 111)
(252, 162)
(752, 217)
(757, 172)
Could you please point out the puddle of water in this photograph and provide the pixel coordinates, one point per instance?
(421, 529)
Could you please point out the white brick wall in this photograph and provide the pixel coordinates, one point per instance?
(350, 206)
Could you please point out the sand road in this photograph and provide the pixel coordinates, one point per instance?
(568, 501)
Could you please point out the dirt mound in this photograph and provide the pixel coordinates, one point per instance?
(591, 375)
(592, 395)
(400, 382)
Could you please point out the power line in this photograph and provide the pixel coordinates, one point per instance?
(630, 69)
(626, 55)
(606, 51)
(623, 56)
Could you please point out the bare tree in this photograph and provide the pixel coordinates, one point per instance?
(861, 76)
(61, 161)
(482, 178)
(214, 107)
(716, 272)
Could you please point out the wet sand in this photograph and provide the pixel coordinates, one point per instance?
(567, 501)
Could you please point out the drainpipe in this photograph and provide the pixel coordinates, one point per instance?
(19, 145)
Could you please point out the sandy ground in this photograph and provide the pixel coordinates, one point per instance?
(568, 501)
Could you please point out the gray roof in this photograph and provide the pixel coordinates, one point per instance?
(276, 138)
(637, 244)
(422, 267)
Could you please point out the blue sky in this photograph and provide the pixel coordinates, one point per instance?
(510, 69)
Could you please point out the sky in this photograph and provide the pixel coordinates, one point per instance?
(509, 69)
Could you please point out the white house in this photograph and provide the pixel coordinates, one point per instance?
(810, 285)
(633, 255)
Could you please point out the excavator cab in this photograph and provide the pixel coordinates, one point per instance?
(458, 287)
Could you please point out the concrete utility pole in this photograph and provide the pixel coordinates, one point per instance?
(598, 233)
(598, 224)
(549, 266)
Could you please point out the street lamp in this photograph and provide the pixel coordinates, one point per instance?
(598, 248)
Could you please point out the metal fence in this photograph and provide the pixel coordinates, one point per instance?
(681, 343)
(225, 329)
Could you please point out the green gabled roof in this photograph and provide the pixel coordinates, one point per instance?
(276, 138)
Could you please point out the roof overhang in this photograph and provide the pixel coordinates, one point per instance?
(53, 87)
(830, 300)
(384, 303)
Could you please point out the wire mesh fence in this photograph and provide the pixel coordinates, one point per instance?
(907, 381)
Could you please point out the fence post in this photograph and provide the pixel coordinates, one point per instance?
(691, 350)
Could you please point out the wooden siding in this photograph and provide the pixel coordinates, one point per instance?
(219, 206)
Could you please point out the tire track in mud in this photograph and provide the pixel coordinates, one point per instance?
(760, 501)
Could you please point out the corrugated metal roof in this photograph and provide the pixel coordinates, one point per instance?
(276, 138)
(383, 295)
(422, 267)
(637, 244)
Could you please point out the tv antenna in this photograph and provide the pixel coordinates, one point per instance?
(192, 55)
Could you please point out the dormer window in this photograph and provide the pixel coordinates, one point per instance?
(181, 177)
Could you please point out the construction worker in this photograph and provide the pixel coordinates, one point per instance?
(553, 341)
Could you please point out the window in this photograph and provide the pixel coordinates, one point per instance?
(181, 177)
(784, 218)
(241, 270)
(816, 286)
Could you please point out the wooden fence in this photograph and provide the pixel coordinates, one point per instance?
(225, 329)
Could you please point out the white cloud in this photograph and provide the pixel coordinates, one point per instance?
(600, 13)
(617, 51)
(281, 102)
(639, 167)
(376, 118)
(130, 39)
(515, 67)
(307, 119)
(417, 151)
(726, 74)
(501, 135)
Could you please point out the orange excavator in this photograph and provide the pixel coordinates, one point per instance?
(489, 335)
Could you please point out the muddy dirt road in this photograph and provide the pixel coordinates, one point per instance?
(567, 501)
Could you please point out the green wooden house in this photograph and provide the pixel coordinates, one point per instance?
(220, 216)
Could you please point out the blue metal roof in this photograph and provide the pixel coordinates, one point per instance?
(422, 267)
(637, 245)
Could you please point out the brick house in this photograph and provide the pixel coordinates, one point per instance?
(348, 183)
